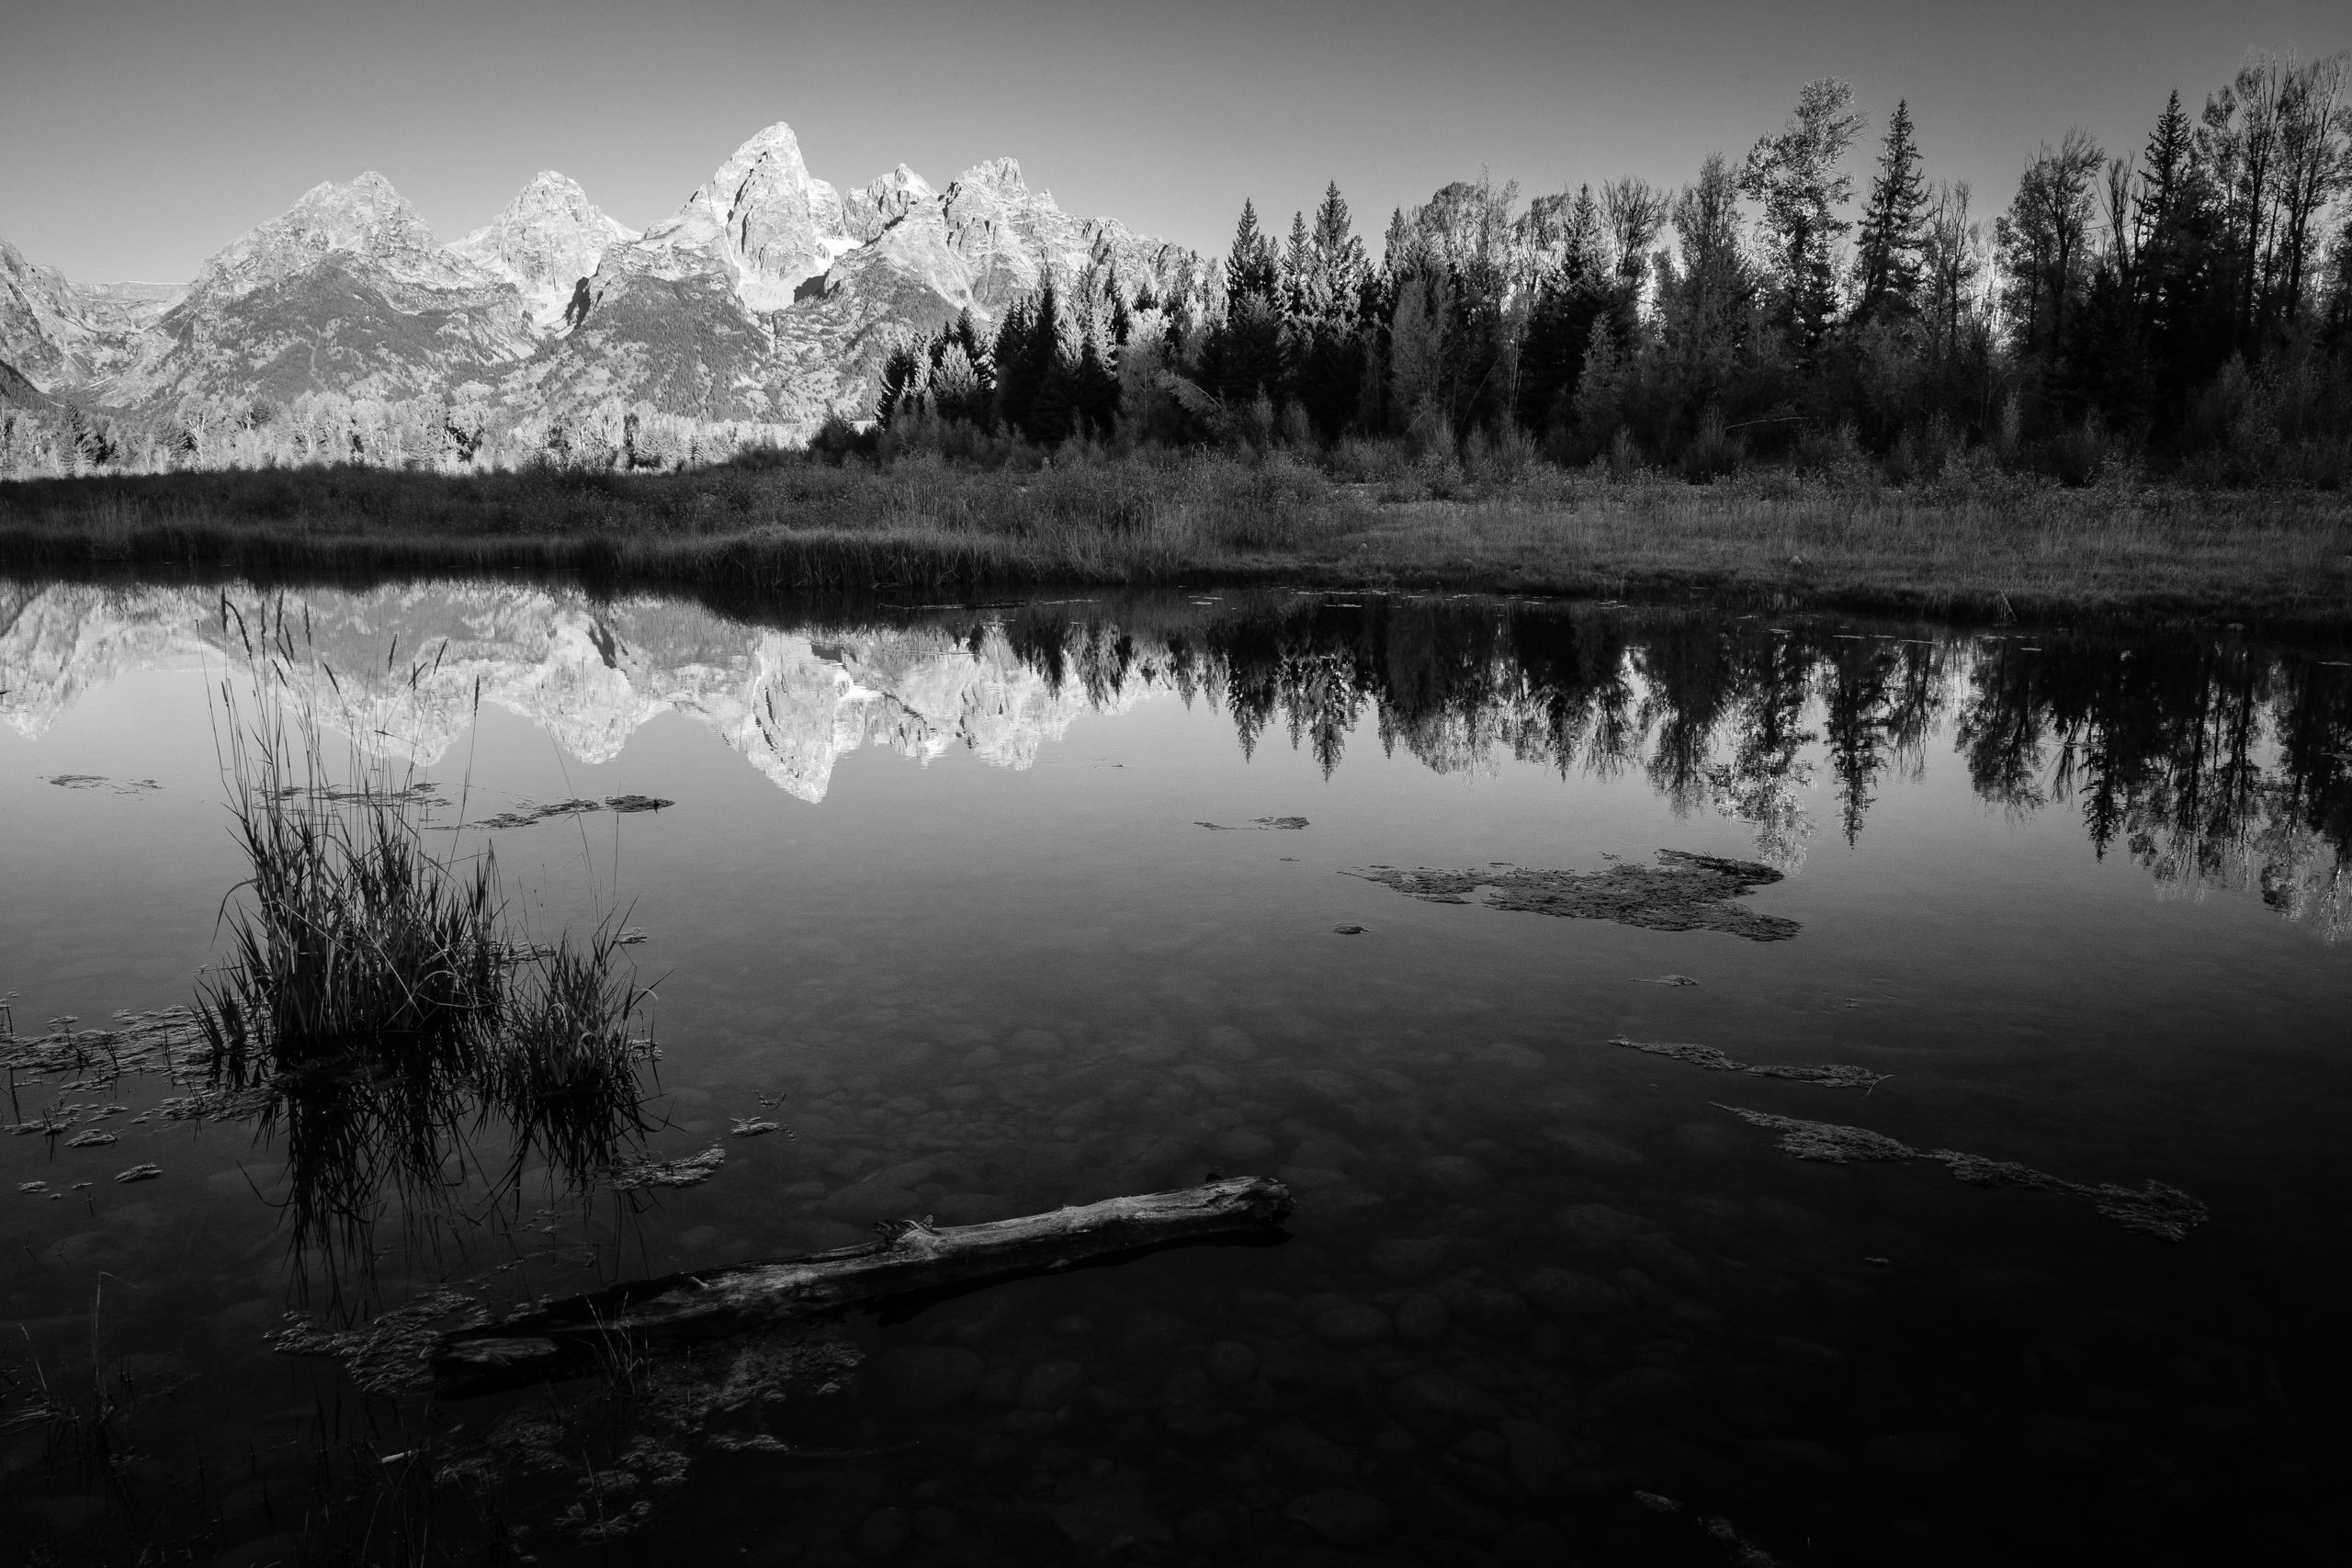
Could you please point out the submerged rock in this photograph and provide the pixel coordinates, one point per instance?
(1567, 1293)
(929, 1377)
(1421, 1318)
(1353, 1323)
(1826, 1141)
(1831, 1075)
(1341, 1517)
(1232, 1363)
(1428, 1401)
(2152, 1208)
(884, 1534)
(1598, 1224)
(1684, 892)
(1050, 1385)
(1113, 1521)
(1407, 1260)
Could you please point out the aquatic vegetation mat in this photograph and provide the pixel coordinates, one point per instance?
(164, 1043)
(391, 1355)
(1683, 892)
(1830, 1075)
(692, 1171)
(2152, 1208)
(528, 812)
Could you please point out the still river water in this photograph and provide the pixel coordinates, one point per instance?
(937, 893)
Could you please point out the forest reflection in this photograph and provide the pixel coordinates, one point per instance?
(2209, 761)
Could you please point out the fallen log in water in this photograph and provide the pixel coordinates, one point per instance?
(559, 1339)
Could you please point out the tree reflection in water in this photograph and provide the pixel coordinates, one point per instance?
(2210, 761)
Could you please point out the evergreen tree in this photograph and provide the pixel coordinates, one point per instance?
(903, 375)
(1400, 255)
(1095, 392)
(1053, 413)
(1338, 275)
(966, 333)
(1573, 287)
(1706, 297)
(1243, 354)
(1586, 240)
(1017, 377)
(1250, 269)
(1893, 227)
(1326, 345)
(2172, 282)
(1297, 266)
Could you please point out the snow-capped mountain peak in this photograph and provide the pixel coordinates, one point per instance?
(549, 237)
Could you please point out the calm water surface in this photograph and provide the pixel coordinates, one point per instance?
(937, 893)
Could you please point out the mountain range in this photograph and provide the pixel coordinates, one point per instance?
(769, 298)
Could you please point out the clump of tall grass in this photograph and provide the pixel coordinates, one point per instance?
(376, 1001)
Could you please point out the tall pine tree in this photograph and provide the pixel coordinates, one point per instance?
(1893, 226)
(1250, 269)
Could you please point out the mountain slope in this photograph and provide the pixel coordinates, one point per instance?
(769, 297)
(59, 334)
(347, 291)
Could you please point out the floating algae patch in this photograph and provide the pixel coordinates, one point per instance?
(156, 1042)
(422, 792)
(1684, 892)
(2152, 1208)
(1830, 1075)
(393, 1354)
(528, 813)
(99, 781)
(614, 1454)
(630, 1175)
(1827, 1140)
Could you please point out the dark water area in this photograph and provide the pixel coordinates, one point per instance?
(996, 908)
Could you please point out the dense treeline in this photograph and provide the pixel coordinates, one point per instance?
(449, 435)
(2187, 305)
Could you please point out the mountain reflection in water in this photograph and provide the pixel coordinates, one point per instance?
(2210, 761)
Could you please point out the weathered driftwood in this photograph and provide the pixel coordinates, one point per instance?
(561, 1337)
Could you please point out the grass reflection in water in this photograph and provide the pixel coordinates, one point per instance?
(380, 1009)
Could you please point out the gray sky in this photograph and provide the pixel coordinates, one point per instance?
(139, 136)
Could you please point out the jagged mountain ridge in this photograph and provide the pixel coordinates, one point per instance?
(769, 297)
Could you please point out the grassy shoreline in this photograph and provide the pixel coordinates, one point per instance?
(1987, 547)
